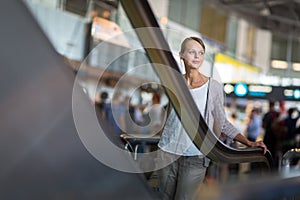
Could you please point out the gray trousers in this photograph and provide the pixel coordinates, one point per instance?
(180, 179)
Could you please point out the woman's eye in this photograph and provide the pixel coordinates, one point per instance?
(201, 53)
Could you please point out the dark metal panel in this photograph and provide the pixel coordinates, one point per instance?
(41, 154)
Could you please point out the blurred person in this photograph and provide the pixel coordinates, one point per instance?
(116, 113)
(253, 130)
(113, 110)
(254, 125)
(156, 115)
(181, 178)
(290, 123)
(282, 110)
(138, 115)
(130, 120)
(153, 121)
(270, 138)
(102, 104)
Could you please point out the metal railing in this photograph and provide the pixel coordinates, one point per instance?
(290, 160)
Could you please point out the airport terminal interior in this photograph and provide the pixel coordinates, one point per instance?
(89, 85)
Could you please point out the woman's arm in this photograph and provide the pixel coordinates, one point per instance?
(225, 126)
(221, 123)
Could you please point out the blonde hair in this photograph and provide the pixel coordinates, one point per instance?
(183, 44)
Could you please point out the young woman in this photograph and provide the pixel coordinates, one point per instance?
(180, 179)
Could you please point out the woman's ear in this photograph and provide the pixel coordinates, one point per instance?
(181, 56)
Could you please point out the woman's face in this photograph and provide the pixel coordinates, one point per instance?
(193, 55)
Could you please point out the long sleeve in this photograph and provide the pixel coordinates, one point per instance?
(221, 124)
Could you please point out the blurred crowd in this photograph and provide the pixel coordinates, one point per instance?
(278, 128)
(126, 117)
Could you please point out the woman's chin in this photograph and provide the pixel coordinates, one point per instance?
(195, 67)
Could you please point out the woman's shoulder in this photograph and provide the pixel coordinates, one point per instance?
(216, 87)
(214, 83)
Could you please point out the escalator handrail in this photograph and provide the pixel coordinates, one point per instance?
(141, 16)
(289, 156)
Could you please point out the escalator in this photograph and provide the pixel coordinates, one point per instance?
(42, 156)
(272, 186)
(277, 185)
(141, 16)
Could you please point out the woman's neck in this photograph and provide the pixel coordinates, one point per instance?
(195, 79)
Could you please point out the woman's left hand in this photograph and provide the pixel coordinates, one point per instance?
(259, 144)
(242, 139)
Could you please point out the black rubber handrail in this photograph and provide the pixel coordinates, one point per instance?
(140, 15)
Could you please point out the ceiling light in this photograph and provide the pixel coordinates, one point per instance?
(279, 64)
(164, 20)
(296, 66)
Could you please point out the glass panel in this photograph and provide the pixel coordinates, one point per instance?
(295, 51)
(117, 74)
(279, 48)
(186, 13)
(231, 35)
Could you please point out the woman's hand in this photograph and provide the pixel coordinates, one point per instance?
(242, 139)
(258, 144)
